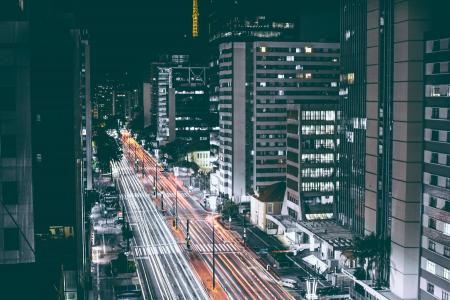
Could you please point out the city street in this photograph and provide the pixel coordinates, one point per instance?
(162, 267)
(237, 269)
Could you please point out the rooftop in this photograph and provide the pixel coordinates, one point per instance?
(330, 231)
(272, 193)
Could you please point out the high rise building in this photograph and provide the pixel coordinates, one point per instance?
(86, 110)
(382, 85)
(352, 147)
(180, 100)
(312, 160)
(41, 158)
(257, 81)
(434, 279)
(17, 232)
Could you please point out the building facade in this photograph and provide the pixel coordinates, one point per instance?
(352, 148)
(257, 81)
(179, 97)
(434, 280)
(17, 240)
(311, 158)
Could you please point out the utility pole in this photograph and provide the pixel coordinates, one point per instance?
(156, 178)
(214, 255)
(188, 238)
(176, 208)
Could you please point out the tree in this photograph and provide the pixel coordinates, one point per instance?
(176, 150)
(137, 124)
(372, 252)
(107, 150)
(229, 209)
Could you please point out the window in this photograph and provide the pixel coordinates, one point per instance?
(292, 213)
(9, 192)
(432, 202)
(11, 239)
(436, 68)
(432, 223)
(446, 251)
(435, 135)
(435, 113)
(263, 49)
(444, 295)
(270, 208)
(308, 50)
(351, 78)
(446, 228)
(8, 145)
(430, 288)
(434, 158)
(290, 58)
(446, 274)
(436, 45)
(431, 267)
(433, 180)
(308, 75)
(431, 246)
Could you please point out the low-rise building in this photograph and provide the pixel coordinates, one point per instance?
(268, 201)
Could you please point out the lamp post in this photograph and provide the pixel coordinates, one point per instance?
(176, 208)
(155, 183)
(213, 254)
(311, 289)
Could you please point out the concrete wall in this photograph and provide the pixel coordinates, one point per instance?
(146, 99)
(410, 23)
(239, 120)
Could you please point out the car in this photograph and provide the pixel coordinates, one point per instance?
(289, 283)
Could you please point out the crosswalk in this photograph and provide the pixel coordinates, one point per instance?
(219, 248)
(146, 251)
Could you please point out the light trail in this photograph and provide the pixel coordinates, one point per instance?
(240, 273)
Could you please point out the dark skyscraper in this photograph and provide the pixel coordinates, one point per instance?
(41, 155)
(350, 208)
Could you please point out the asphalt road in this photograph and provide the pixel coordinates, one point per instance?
(163, 270)
(238, 270)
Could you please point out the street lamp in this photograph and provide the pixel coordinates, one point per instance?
(213, 253)
(176, 207)
(311, 289)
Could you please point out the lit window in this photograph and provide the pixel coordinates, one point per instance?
(281, 93)
(351, 78)
(431, 245)
(334, 84)
(299, 67)
(347, 35)
(280, 76)
(262, 84)
(290, 58)
(446, 228)
(308, 75)
(446, 274)
(263, 49)
(297, 50)
(308, 50)
(431, 267)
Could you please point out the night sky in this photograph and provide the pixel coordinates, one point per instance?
(126, 35)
